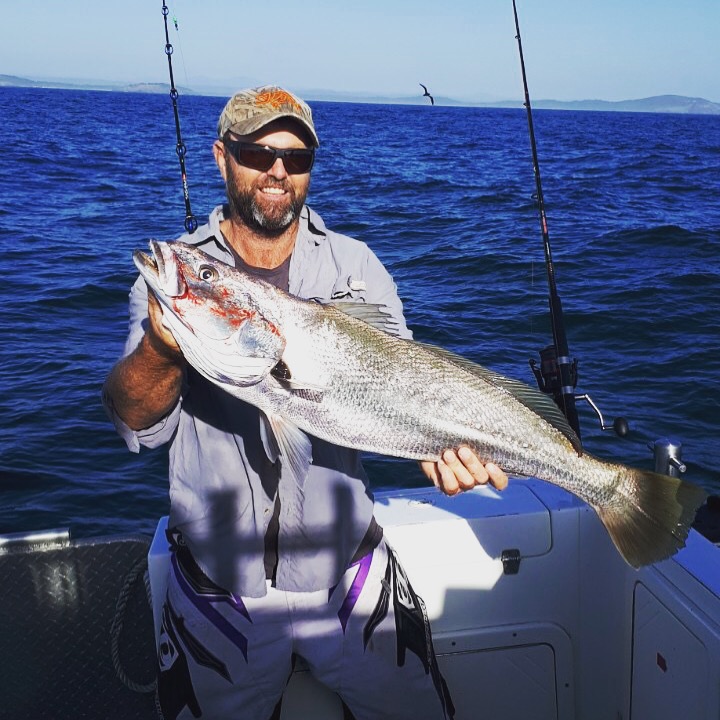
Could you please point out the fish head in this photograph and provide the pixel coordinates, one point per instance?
(212, 310)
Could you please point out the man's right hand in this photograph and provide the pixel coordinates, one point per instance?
(158, 335)
(145, 385)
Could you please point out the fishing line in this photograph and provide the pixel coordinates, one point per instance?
(557, 374)
(192, 125)
(176, 25)
(191, 224)
(179, 45)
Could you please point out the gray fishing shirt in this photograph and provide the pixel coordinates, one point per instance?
(222, 485)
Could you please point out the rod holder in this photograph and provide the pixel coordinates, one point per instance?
(668, 457)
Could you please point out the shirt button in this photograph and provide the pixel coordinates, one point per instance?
(267, 511)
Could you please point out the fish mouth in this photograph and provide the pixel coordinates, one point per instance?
(147, 266)
(161, 271)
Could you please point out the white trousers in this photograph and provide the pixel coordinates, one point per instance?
(367, 639)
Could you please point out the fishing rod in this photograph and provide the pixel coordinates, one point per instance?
(191, 223)
(557, 374)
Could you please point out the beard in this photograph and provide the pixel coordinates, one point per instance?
(272, 221)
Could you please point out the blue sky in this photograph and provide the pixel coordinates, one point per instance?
(464, 49)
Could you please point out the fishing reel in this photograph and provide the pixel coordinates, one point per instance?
(548, 375)
(549, 379)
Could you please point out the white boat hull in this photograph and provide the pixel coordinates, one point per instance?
(570, 632)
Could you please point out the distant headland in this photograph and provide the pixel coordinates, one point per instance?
(14, 81)
(656, 104)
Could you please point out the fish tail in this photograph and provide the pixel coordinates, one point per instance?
(650, 515)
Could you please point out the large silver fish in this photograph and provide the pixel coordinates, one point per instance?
(340, 376)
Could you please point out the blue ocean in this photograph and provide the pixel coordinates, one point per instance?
(444, 196)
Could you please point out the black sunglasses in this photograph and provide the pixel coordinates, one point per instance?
(262, 157)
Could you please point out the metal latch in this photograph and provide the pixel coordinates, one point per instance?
(511, 561)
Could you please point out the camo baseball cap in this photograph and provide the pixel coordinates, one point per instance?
(249, 110)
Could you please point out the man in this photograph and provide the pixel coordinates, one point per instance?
(253, 583)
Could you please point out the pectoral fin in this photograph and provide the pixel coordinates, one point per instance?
(282, 439)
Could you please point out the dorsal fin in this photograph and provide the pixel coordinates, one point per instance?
(372, 313)
(530, 397)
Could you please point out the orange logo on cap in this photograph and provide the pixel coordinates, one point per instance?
(276, 99)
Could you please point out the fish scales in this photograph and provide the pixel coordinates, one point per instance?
(393, 397)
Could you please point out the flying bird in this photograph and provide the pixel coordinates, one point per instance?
(427, 94)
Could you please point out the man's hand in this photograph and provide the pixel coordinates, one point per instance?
(462, 470)
(158, 335)
(145, 385)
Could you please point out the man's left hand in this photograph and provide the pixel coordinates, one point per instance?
(462, 470)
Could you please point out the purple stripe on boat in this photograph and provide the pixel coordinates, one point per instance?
(203, 604)
(355, 589)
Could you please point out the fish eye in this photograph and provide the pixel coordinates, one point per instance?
(207, 273)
